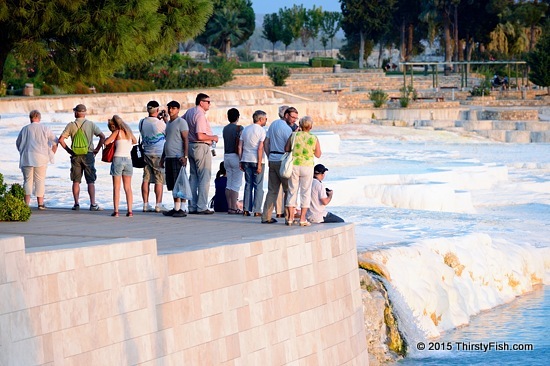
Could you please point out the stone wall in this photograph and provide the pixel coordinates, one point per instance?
(293, 300)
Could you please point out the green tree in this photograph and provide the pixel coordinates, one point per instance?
(90, 39)
(272, 30)
(439, 14)
(311, 26)
(231, 25)
(287, 36)
(530, 15)
(295, 19)
(367, 19)
(539, 59)
(330, 25)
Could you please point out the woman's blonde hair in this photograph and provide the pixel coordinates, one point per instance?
(306, 123)
(118, 124)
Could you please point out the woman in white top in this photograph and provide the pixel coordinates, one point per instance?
(36, 144)
(121, 167)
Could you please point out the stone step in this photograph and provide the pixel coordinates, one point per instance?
(515, 136)
(436, 124)
(506, 125)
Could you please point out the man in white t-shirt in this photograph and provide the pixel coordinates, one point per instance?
(153, 136)
(320, 198)
(251, 149)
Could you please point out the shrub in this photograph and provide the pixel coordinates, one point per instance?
(407, 93)
(278, 74)
(483, 89)
(346, 64)
(379, 97)
(17, 191)
(12, 202)
(47, 90)
(322, 62)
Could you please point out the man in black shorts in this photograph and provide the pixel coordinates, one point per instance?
(174, 156)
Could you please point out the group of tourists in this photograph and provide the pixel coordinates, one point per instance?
(170, 142)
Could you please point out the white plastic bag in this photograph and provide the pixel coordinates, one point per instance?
(182, 188)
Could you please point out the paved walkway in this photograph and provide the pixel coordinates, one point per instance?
(63, 226)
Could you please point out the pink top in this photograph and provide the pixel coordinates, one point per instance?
(197, 122)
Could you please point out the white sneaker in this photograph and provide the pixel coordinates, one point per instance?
(148, 208)
(160, 208)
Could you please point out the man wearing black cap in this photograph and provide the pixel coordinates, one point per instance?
(320, 198)
(175, 153)
(83, 163)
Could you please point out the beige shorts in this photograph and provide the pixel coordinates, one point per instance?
(153, 173)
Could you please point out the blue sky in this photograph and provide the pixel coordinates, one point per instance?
(273, 6)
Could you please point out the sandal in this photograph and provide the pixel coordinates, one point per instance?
(234, 211)
(114, 214)
(305, 223)
(130, 214)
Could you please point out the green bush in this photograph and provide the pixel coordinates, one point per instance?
(346, 64)
(322, 62)
(17, 191)
(12, 202)
(379, 97)
(483, 89)
(407, 93)
(278, 74)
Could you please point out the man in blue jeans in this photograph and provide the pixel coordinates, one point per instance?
(251, 149)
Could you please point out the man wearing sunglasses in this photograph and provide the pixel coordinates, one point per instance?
(200, 157)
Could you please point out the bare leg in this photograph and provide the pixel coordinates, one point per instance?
(303, 213)
(116, 192)
(229, 199)
(127, 182)
(28, 199)
(76, 192)
(91, 192)
(40, 200)
(158, 193)
(145, 192)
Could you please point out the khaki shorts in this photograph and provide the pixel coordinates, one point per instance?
(153, 173)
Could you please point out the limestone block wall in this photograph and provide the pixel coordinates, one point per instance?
(293, 300)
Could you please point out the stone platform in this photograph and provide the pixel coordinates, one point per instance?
(84, 288)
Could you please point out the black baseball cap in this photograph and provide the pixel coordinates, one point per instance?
(319, 169)
(152, 105)
(173, 104)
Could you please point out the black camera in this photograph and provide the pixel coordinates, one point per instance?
(161, 115)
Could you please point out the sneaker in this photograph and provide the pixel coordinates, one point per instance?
(95, 208)
(179, 213)
(160, 208)
(169, 213)
(148, 208)
(41, 207)
(76, 207)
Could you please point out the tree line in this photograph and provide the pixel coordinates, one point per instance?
(90, 40)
